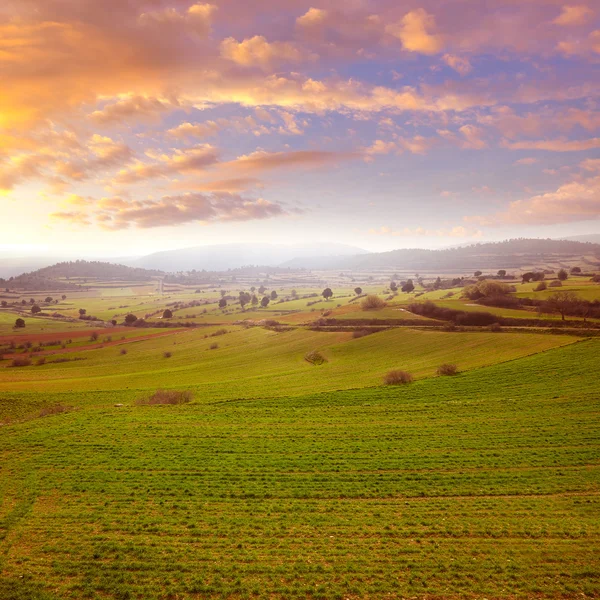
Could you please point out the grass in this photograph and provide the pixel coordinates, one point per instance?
(485, 484)
(256, 362)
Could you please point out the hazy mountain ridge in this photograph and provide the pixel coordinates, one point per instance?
(509, 254)
(222, 257)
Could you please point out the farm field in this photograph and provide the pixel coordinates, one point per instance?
(258, 362)
(288, 479)
(482, 484)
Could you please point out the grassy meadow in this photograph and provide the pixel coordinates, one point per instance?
(287, 479)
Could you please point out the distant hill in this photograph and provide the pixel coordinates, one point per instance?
(510, 254)
(222, 257)
(58, 276)
(593, 238)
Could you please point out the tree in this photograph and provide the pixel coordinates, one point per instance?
(223, 292)
(408, 287)
(63, 297)
(31, 301)
(4, 303)
(262, 289)
(563, 303)
(253, 289)
(576, 271)
(527, 277)
(437, 284)
(273, 295)
(35, 309)
(294, 293)
(502, 273)
(254, 300)
(130, 319)
(167, 314)
(562, 275)
(19, 323)
(222, 303)
(48, 299)
(358, 291)
(23, 302)
(393, 286)
(244, 299)
(477, 273)
(82, 312)
(327, 293)
(265, 301)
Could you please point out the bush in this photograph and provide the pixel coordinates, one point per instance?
(495, 327)
(123, 351)
(447, 369)
(555, 283)
(167, 355)
(540, 287)
(40, 361)
(397, 377)
(94, 336)
(167, 397)
(20, 361)
(372, 302)
(315, 357)
(214, 346)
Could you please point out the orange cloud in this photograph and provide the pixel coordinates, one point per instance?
(571, 202)
(560, 145)
(115, 213)
(574, 15)
(258, 52)
(413, 30)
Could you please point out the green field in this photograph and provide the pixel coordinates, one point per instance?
(285, 479)
(481, 485)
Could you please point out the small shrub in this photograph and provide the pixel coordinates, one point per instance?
(372, 302)
(123, 351)
(94, 336)
(167, 397)
(40, 361)
(20, 361)
(447, 369)
(214, 346)
(555, 283)
(540, 287)
(167, 354)
(495, 327)
(397, 377)
(315, 357)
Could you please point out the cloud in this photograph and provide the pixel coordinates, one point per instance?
(196, 19)
(571, 202)
(116, 213)
(261, 160)
(560, 145)
(258, 52)
(192, 160)
(136, 107)
(413, 30)
(460, 64)
(233, 186)
(574, 15)
(526, 161)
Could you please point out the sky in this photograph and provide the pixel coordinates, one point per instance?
(128, 127)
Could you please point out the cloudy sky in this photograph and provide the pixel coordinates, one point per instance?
(132, 126)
